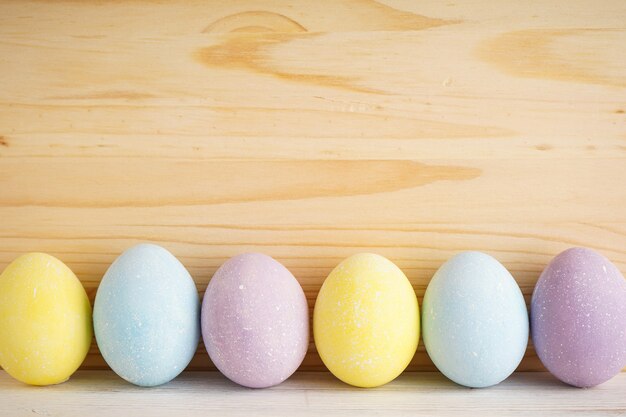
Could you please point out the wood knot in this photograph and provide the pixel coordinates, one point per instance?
(255, 22)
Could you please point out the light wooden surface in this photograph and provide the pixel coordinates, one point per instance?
(102, 393)
(312, 130)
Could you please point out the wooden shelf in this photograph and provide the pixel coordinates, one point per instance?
(102, 393)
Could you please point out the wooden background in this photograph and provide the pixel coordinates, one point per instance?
(312, 130)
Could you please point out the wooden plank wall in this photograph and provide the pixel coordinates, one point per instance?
(312, 130)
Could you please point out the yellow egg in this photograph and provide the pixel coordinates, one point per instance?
(366, 321)
(45, 320)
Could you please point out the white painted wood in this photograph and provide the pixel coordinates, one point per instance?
(102, 393)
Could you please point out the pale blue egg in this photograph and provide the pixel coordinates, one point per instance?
(147, 316)
(475, 321)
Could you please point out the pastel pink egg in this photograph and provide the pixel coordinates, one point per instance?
(255, 321)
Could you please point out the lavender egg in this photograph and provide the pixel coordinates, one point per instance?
(578, 318)
(255, 321)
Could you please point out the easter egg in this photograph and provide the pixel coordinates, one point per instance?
(147, 316)
(474, 320)
(255, 321)
(366, 321)
(45, 320)
(578, 317)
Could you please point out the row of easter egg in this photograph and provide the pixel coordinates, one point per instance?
(254, 319)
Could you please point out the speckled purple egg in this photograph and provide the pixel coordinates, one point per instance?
(255, 321)
(578, 318)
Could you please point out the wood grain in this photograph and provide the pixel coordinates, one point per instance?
(102, 393)
(311, 131)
